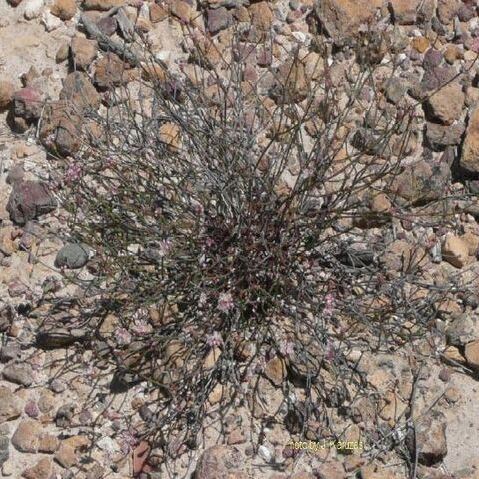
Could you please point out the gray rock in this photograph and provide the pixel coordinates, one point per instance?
(218, 19)
(430, 439)
(72, 256)
(57, 386)
(9, 352)
(18, 374)
(437, 77)
(64, 415)
(395, 90)
(26, 436)
(462, 330)
(440, 136)
(27, 104)
(60, 337)
(437, 26)
(29, 200)
(422, 182)
(79, 92)
(107, 25)
(10, 406)
(4, 454)
(371, 143)
(432, 59)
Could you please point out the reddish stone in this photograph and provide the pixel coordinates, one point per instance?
(140, 457)
(27, 103)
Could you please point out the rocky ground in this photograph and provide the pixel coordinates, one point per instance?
(58, 417)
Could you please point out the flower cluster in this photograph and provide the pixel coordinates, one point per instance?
(225, 302)
(123, 336)
(214, 339)
(73, 173)
(141, 327)
(164, 247)
(328, 305)
(286, 348)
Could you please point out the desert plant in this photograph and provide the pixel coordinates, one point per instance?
(230, 224)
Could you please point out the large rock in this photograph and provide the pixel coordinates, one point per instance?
(446, 104)
(26, 436)
(342, 18)
(470, 149)
(18, 373)
(102, 4)
(27, 104)
(43, 469)
(33, 9)
(110, 71)
(10, 405)
(29, 200)
(402, 256)
(60, 128)
(261, 15)
(437, 77)
(441, 136)
(72, 256)
(218, 19)
(6, 94)
(275, 371)
(455, 251)
(218, 461)
(79, 91)
(462, 330)
(404, 11)
(430, 439)
(64, 9)
(422, 182)
(447, 10)
(84, 51)
(471, 353)
(292, 84)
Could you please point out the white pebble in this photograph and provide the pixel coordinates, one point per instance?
(33, 8)
(107, 445)
(144, 11)
(51, 22)
(299, 36)
(7, 468)
(265, 453)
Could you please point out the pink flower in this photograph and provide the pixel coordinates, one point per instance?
(330, 353)
(214, 339)
(164, 247)
(141, 327)
(474, 46)
(329, 305)
(123, 336)
(225, 302)
(202, 300)
(260, 365)
(73, 173)
(127, 441)
(286, 348)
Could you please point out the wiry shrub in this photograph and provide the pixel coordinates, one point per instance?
(231, 225)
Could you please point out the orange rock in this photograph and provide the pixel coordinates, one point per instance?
(471, 352)
(64, 9)
(275, 371)
(421, 44)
